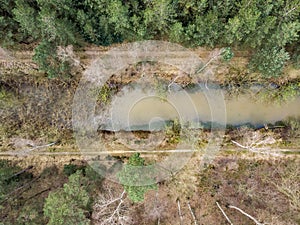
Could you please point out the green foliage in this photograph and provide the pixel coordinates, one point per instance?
(176, 33)
(9, 28)
(26, 15)
(266, 25)
(136, 160)
(69, 204)
(48, 21)
(173, 132)
(54, 29)
(8, 178)
(269, 62)
(286, 33)
(7, 99)
(28, 215)
(70, 169)
(294, 124)
(45, 56)
(295, 57)
(133, 173)
(205, 30)
(104, 94)
(244, 23)
(282, 94)
(157, 17)
(92, 175)
(102, 22)
(227, 54)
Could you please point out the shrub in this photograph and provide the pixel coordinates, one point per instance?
(46, 57)
(227, 54)
(173, 131)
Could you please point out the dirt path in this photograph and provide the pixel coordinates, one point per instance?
(42, 160)
(279, 151)
(89, 53)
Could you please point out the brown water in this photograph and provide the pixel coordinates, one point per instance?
(145, 109)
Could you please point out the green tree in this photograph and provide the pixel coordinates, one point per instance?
(69, 205)
(9, 28)
(176, 33)
(205, 30)
(133, 173)
(269, 61)
(26, 13)
(102, 22)
(158, 17)
(243, 23)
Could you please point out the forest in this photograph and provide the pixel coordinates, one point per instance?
(268, 29)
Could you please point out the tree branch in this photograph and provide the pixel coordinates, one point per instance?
(179, 212)
(192, 213)
(224, 214)
(246, 214)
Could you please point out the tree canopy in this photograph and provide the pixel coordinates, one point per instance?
(69, 204)
(130, 175)
(255, 25)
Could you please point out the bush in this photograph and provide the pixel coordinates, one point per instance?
(46, 57)
(227, 54)
(173, 131)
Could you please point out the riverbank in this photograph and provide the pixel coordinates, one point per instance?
(36, 110)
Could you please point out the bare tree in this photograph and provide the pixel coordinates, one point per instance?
(289, 184)
(110, 209)
(257, 142)
(214, 56)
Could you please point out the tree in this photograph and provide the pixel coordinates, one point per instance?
(243, 23)
(227, 54)
(111, 208)
(158, 17)
(69, 205)
(25, 13)
(9, 28)
(102, 22)
(269, 61)
(130, 175)
(205, 30)
(176, 33)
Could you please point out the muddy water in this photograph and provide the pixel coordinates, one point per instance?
(143, 110)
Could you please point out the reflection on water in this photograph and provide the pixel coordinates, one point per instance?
(142, 110)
